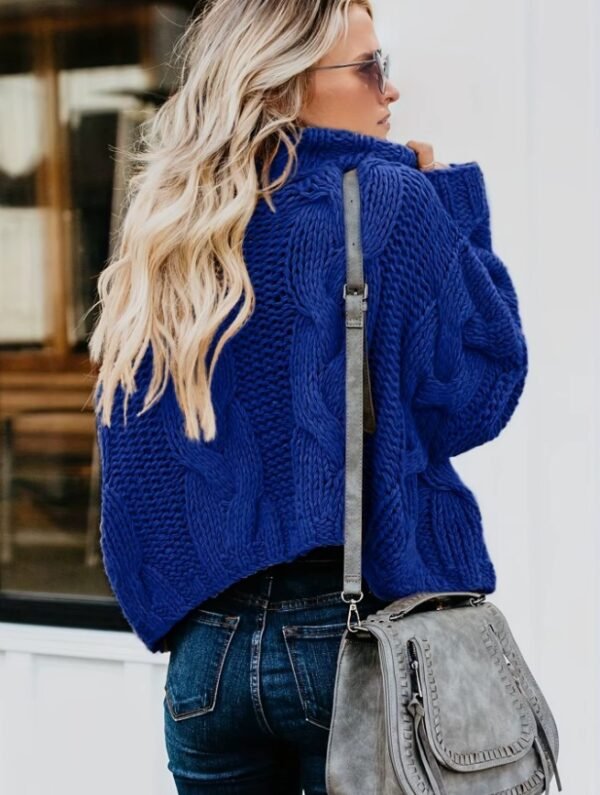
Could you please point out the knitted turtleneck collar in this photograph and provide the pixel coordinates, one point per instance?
(320, 145)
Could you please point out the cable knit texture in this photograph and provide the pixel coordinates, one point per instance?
(182, 520)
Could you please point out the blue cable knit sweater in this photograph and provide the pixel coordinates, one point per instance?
(182, 520)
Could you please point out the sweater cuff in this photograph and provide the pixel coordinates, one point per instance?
(461, 188)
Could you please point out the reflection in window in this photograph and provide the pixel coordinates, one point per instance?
(71, 95)
(91, 102)
(23, 315)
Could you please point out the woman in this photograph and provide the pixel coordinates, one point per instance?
(222, 498)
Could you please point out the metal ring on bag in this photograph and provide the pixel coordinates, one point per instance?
(352, 598)
(352, 601)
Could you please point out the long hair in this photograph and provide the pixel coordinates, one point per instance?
(177, 268)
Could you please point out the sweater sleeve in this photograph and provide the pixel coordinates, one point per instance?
(461, 190)
(467, 356)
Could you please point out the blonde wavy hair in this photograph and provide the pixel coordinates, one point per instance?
(177, 268)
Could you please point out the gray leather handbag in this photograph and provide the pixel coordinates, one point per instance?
(432, 694)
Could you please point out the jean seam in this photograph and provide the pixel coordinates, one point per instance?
(328, 598)
(330, 630)
(212, 618)
(257, 702)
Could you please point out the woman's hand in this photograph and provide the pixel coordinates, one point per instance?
(425, 157)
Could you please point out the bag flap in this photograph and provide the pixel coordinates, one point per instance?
(475, 716)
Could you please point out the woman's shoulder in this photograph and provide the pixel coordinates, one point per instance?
(440, 207)
(397, 200)
(403, 186)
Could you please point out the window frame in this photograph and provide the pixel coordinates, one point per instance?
(57, 354)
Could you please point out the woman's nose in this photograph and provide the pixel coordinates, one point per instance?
(391, 91)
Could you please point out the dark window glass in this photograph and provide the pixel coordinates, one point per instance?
(66, 103)
(97, 46)
(16, 53)
(72, 95)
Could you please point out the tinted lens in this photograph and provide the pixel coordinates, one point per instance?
(383, 62)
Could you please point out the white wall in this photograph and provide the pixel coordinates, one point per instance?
(512, 85)
(80, 712)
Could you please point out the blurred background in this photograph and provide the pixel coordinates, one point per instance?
(513, 85)
(75, 80)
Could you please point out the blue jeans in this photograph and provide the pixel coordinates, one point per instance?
(250, 681)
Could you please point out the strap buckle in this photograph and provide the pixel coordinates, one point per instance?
(355, 291)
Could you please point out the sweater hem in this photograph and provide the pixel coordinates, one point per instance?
(484, 581)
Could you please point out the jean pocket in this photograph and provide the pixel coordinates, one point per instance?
(313, 652)
(199, 647)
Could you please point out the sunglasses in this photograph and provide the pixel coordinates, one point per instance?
(379, 65)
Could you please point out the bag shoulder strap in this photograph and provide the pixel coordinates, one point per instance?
(360, 414)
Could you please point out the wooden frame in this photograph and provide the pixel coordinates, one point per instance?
(53, 183)
(53, 385)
